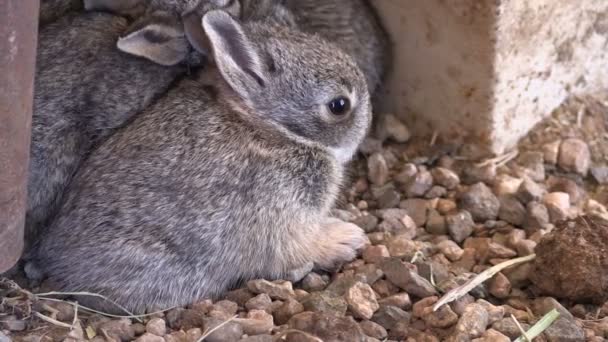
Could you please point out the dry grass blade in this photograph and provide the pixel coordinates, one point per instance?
(539, 327)
(521, 329)
(53, 321)
(210, 331)
(460, 291)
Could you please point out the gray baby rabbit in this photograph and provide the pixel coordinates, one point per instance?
(85, 88)
(51, 10)
(228, 177)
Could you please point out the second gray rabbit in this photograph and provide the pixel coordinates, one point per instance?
(229, 177)
(84, 89)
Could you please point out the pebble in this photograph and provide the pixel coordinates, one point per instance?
(12, 323)
(401, 300)
(395, 129)
(408, 171)
(406, 277)
(530, 191)
(419, 184)
(120, 330)
(389, 198)
(460, 225)
(442, 318)
(156, 326)
(327, 327)
(445, 177)
(600, 174)
(385, 288)
(361, 300)
(499, 286)
(257, 338)
(148, 337)
(445, 206)
(239, 296)
(193, 334)
(531, 164)
(375, 254)
(525, 247)
(366, 221)
(537, 217)
(511, 210)
(473, 321)
(276, 289)
(435, 192)
(436, 223)
(313, 282)
(479, 174)
(228, 332)
(370, 145)
(561, 184)
(558, 205)
(495, 313)
(417, 209)
(492, 335)
(506, 185)
(288, 309)
(450, 249)
(507, 327)
(325, 302)
(551, 152)
(480, 202)
(256, 322)
(397, 221)
(388, 316)
(377, 169)
(259, 302)
(373, 329)
(574, 156)
(565, 327)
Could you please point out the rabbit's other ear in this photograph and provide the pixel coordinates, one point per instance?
(160, 41)
(235, 55)
(194, 32)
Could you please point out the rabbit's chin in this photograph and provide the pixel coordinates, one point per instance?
(344, 154)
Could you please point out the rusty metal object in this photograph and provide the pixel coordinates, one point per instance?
(18, 38)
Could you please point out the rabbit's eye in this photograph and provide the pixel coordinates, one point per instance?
(339, 106)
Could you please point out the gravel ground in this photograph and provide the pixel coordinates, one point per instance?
(434, 220)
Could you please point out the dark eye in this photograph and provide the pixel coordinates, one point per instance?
(339, 106)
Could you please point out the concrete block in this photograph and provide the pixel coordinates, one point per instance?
(486, 71)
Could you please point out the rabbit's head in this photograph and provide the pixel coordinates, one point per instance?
(303, 85)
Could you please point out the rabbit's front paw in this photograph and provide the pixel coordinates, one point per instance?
(339, 243)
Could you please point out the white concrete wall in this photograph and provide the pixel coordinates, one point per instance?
(486, 71)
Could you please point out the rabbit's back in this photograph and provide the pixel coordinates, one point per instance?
(84, 88)
(190, 198)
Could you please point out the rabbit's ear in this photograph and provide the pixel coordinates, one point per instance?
(194, 32)
(235, 55)
(159, 41)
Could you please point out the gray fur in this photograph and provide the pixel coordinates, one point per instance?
(230, 176)
(84, 89)
(51, 10)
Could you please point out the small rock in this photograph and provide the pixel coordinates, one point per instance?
(361, 300)
(388, 316)
(370, 145)
(366, 221)
(328, 328)
(418, 185)
(395, 129)
(259, 302)
(511, 210)
(156, 326)
(442, 318)
(551, 152)
(600, 174)
(397, 221)
(446, 206)
(402, 246)
(239, 296)
(193, 334)
(313, 282)
(228, 332)
(176, 336)
(531, 164)
(495, 313)
(12, 323)
(256, 322)
(385, 288)
(500, 286)
(401, 300)
(506, 185)
(558, 205)
(389, 198)
(325, 302)
(435, 224)
(480, 202)
(445, 177)
(530, 191)
(574, 156)
(537, 217)
(561, 184)
(492, 335)
(436, 192)
(450, 249)
(473, 321)
(406, 277)
(477, 174)
(257, 338)
(373, 329)
(4, 338)
(377, 169)
(416, 209)
(375, 254)
(460, 225)
(525, 247)
(276, 290)
(408, 171)
(148, 337)
(289, 308)
(565, 327)
(496, 250)
(507, 327)
(228, 307)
